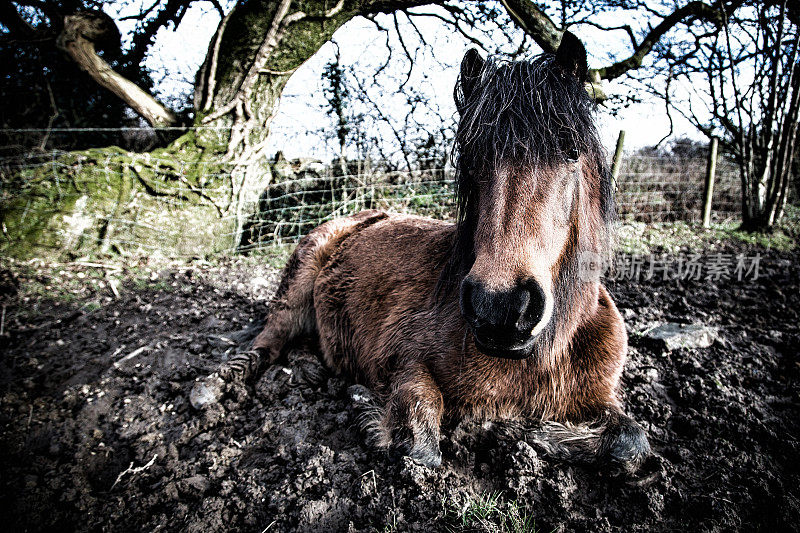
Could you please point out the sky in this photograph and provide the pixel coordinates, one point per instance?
(177, 54)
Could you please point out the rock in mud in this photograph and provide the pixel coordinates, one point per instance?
(671, 336)
(206, 392)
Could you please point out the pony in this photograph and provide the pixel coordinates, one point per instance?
(490, 316)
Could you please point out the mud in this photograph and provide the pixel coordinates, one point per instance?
(98, 433)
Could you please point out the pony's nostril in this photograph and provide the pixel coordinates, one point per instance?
(535, 310)
(477, 305)
(505, 316)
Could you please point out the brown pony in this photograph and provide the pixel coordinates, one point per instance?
(489, 317)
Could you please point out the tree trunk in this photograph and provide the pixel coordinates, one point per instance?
(767, 173)
(256, 49)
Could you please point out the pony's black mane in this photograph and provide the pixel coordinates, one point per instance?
(525, 112)
(528, 114)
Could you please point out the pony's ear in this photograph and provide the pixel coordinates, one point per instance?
(571, 56)
(471, 67)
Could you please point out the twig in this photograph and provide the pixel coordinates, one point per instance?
(131, 355)
(53, 117)
(3, 321)
(269, 526)
(335, 9)
(374, 480)
(131, 470)
(112, 284)
(116, 352)
(98, 265)
(718, 498)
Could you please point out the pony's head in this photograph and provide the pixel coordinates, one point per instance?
(533, 193)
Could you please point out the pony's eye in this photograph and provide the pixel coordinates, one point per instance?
(572, 155)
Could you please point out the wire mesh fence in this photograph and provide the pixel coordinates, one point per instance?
(143, 204)
(666, 189)
(290, 207)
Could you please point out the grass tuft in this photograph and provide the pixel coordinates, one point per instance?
(488, 512)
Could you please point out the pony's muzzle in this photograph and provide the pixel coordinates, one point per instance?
(504, 322)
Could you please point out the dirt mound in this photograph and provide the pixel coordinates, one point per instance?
(98, 433)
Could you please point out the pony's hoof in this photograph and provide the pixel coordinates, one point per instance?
(309, 369)
(207, 391)
(427, 457)
(625, 446)
(360, 395)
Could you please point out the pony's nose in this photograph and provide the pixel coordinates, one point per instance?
(502, 317)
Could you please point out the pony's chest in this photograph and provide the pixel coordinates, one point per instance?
(502, 392)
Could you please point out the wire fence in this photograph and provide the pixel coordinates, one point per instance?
(668, 189)
(145, 204)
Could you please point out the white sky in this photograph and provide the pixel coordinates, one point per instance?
(176, 56)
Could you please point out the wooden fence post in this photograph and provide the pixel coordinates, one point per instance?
(708, 191)
(617, 160)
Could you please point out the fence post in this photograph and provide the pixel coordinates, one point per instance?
(708, 191)
(617, 160)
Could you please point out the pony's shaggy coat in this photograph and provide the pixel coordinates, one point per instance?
(380, 291)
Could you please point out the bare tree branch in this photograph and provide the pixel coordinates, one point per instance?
(81, 32)
(535, 23)
(547, 34)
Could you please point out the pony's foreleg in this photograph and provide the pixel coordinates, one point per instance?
(413, 415)
(603, 340)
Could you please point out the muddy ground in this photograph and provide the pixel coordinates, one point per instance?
(98, 434)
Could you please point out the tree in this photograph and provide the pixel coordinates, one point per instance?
(747, 74)
(338, 94)
(763, 134)
(259, 44)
